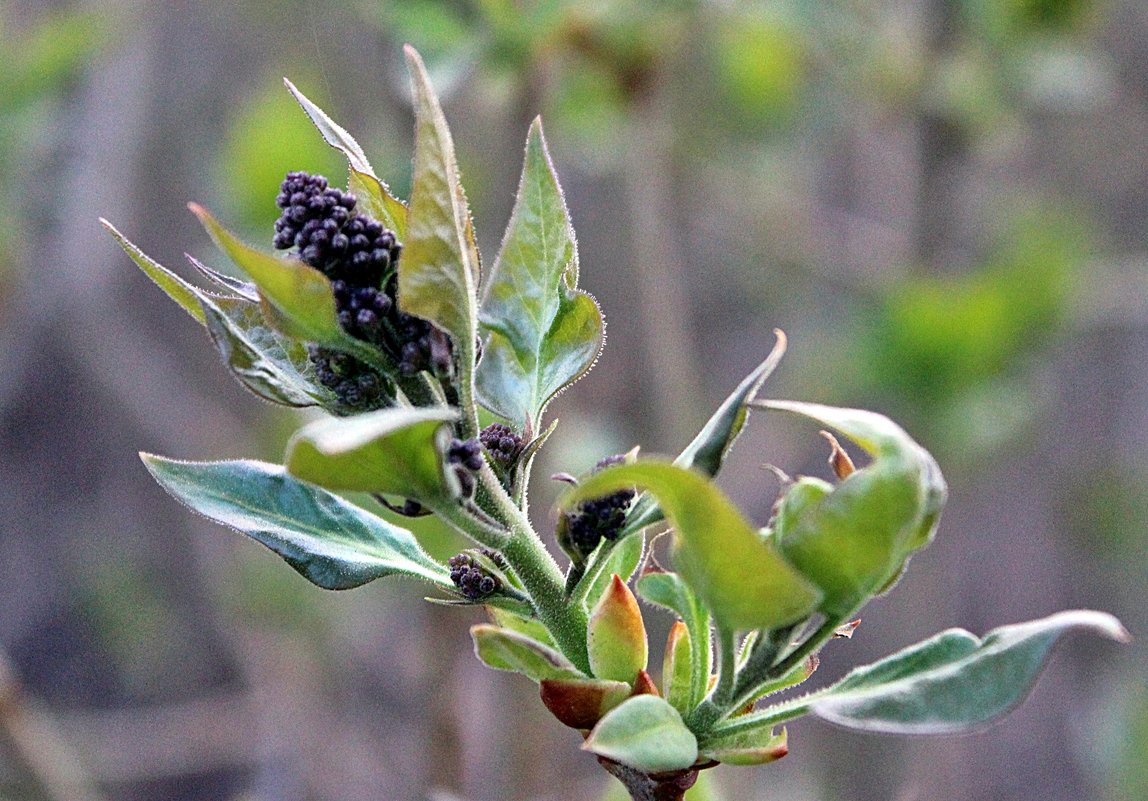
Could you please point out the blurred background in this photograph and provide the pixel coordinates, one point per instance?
(944, 203)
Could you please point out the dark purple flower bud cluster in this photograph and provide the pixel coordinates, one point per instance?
(472, 580)
(465, 456)
(582, 529)
(360, 257)
(331, 236)
(357, 387)
(501, 443)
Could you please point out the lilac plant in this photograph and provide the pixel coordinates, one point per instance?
(377, 313)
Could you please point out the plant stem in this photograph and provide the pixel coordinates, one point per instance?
(540, 576)
(711, 710)
(652, 787)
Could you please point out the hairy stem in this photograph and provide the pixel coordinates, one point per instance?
(540, 575)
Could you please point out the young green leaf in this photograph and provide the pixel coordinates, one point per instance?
(953, 682)
(740, 576)
(374, 196)
(621, 558)
(668, 591)
(677, 667)
(544, 333)
(616, 635)
(300, 295)
(708, 450)
(503, 649)
(439, 270)
(331, 542)
(390, 451)
(853, 542)
(646, 733)
(183, 293)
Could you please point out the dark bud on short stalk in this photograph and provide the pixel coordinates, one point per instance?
(473, 580)
(465, 458)
(581, 529)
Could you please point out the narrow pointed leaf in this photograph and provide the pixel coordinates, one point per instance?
(503, 649)
(677, 665)
(390, 451)
(954, 682)
(854, 541)
(300, 295)
(374, 197)
(543, 333)
(331, 542)
(183, 293)
(668, 591)
(708, 450)
(740, 576)
(234, 286)
(439, 271)
(646, 733)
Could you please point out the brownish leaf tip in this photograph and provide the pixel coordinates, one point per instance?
(838, 459)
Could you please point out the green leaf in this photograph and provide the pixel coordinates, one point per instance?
(390, 451)
(617, 557)
(256, 356)
(503, 649)
(953, 682)
(757, 746)
(646, 733)
(668, 591)
(183, 293)
(544, 334)
(333, 543)
(439, 270)
(708, 450)
(616, 635)
(678, 668)
(854, 541)
(740, 576)
(299, 296)
(373, 194)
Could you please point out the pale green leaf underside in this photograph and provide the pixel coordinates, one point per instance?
(257, 356)
(646, 733)
(390, 451)
(954, 682)
(740, 576)
(331, 542)
(543, 333)
(503, 649)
